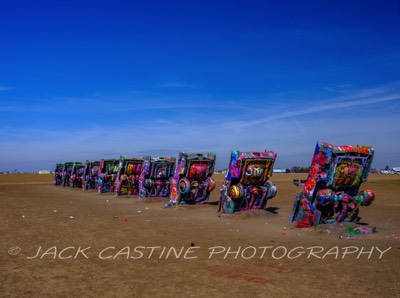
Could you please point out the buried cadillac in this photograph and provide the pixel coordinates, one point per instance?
(192, 182)
(155, 175)
(331, 192)
(246, 185)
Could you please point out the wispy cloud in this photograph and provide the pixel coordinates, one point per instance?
(5, 88)
(163, 121)
(176, 85)
(212, 128)
(23, 108)
(357, 100)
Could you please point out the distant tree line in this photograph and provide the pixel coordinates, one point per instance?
(297, 169)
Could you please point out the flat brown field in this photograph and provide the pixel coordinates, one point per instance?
(105, 250)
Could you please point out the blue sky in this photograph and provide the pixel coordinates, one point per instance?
(95, 79)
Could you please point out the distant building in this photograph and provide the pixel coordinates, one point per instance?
(221, 172)
(389, 172)
(44, 172)
(280, 171)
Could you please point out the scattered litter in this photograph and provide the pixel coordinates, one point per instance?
(55, 211)
(125, 219)
(107, 201)
(23, 216)
(71, 217)
(148, 220)
(347, 237)
(147, 208)
(283, 233)
(284, 228)
(192, 244)
(360, 230)
(139, 211)
(115, 216)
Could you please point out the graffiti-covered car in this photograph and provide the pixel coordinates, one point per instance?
(66, 173)
(155, 176)
(76, 178)
(331, 191)
(57, 177)
(90, 176)
(127, 180)
(246, 185)
(107, 174)
(192, 182)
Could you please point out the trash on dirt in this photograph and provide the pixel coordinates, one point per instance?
(115, 216)
(347, 237)
(283, 233)
(147, 208)
(139, 211)
(360, 230)
(71, 217)
(55, 211)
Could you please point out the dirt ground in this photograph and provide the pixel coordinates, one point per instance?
(62, 242)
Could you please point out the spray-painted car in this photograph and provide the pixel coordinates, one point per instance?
(57, 178)
(107, 174)
(331, 192)
(246, 185)
(155, 177)
(66, 173)
(192, 182)
(91, 174)
(127, 181)
(78, 169)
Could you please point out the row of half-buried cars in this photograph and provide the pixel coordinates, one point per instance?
(330, 193)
